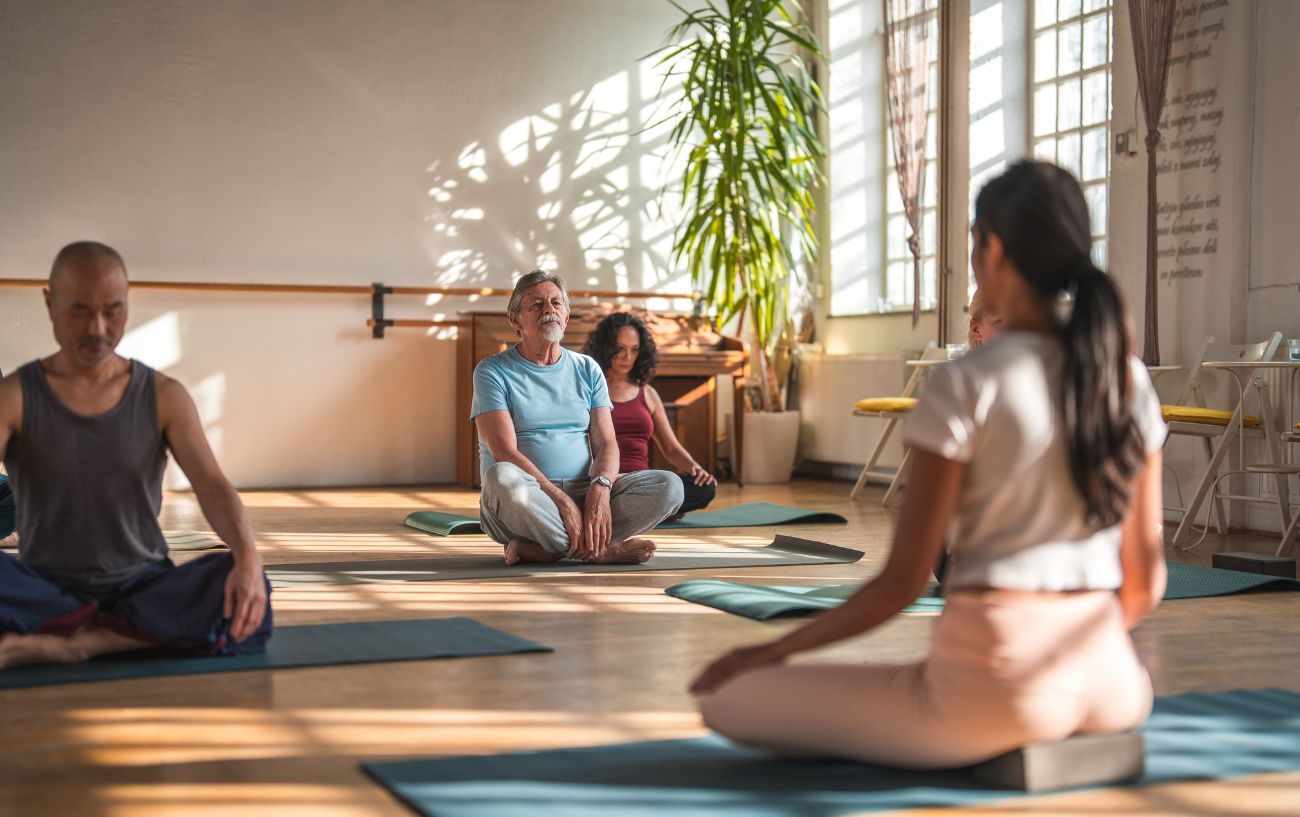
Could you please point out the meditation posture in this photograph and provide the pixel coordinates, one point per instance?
(1044, 448)
(551, 483)
(625, 351)
(985, 324)
(84, 435)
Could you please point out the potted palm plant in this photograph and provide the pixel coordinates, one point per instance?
(745, 129)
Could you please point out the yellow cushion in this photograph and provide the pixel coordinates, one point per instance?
(1196, 414)
(885, 404)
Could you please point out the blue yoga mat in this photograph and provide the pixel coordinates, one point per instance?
(1189, 737)
(313, 645)
(745, 515)
(762, 602)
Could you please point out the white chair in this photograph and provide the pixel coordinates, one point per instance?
(1190, 417)
(892, 410)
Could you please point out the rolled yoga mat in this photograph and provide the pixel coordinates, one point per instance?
(783, 551)
(311, 645)
(747, 515)
(762, 602)
(191, 540)
(1199, 736)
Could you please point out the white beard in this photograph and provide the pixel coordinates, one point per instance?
(553, 332)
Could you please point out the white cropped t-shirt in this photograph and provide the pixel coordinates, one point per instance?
(1019, 522)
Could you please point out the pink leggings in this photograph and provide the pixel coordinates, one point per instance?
(1006, 668)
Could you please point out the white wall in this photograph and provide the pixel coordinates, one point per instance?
(326, 141)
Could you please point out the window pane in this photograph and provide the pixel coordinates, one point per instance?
(1093, 5)
(1095, 46)
(897, 247)
(1045, 150)
(1096, 105)
(1045, 110)
(929, 232)
(1099, 254)
(1067, 153)
(1096, 196)
(1094, 155)
(1044, 13)
(1045, 56)
(928, 278)
(1070, 48)
(1070, 8)
(929, 192)
(1067, 106)
(897, 282)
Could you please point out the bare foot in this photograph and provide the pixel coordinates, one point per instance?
(38, 648)
(10, 541)
(522, 550)
(627, 552)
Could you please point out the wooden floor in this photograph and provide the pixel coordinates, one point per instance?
(289, 742)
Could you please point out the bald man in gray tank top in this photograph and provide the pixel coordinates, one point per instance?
(84, 435)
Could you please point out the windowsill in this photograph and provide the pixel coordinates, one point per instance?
(894, 313)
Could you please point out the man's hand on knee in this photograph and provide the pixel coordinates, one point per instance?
(597, 521)
(245, 602)
(571, 516)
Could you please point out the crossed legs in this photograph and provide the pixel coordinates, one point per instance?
(516, 513)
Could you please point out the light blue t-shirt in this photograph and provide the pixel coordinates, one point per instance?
(550, 406)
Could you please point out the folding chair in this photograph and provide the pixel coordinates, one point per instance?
(1190, 417)
(892, 410)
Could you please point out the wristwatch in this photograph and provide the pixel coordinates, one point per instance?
(599, 480)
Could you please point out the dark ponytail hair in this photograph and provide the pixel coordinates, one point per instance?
(602, 344)
(1039, 212)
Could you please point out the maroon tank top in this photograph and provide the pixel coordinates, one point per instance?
(633, 426)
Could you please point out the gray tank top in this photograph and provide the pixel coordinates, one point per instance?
(88, 489)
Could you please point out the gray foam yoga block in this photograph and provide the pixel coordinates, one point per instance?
(1256, 563)
(1081, 760)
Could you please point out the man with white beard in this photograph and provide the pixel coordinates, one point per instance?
(551, 487)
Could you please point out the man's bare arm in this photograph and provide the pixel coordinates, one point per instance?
(225, 511)
(11, 411)
(604, 444)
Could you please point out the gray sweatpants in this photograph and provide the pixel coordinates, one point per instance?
(513, 506)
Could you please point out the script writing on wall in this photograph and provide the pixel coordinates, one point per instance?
(1190, 156)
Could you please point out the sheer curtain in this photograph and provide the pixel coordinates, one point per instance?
(1153, 28)
(908, 33)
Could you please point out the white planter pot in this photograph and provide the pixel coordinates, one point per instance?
(771, 441)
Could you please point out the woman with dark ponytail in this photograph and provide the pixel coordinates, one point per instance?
(1041, 449)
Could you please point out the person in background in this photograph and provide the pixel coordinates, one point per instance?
(551, 484)
(626, 352)
(985, 324)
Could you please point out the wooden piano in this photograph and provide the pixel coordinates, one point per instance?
(691, 356)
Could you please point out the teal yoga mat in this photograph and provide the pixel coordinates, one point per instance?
(762, 602)
(747, 515)
(442, 524)
(313, 645)
(1188, 737)
(752, 514)
(783, 551)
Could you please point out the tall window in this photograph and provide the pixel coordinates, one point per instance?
(1071, 98)
(871, 266)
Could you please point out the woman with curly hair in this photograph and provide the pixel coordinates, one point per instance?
(624, 349)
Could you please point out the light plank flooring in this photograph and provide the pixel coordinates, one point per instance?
(289, 743)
